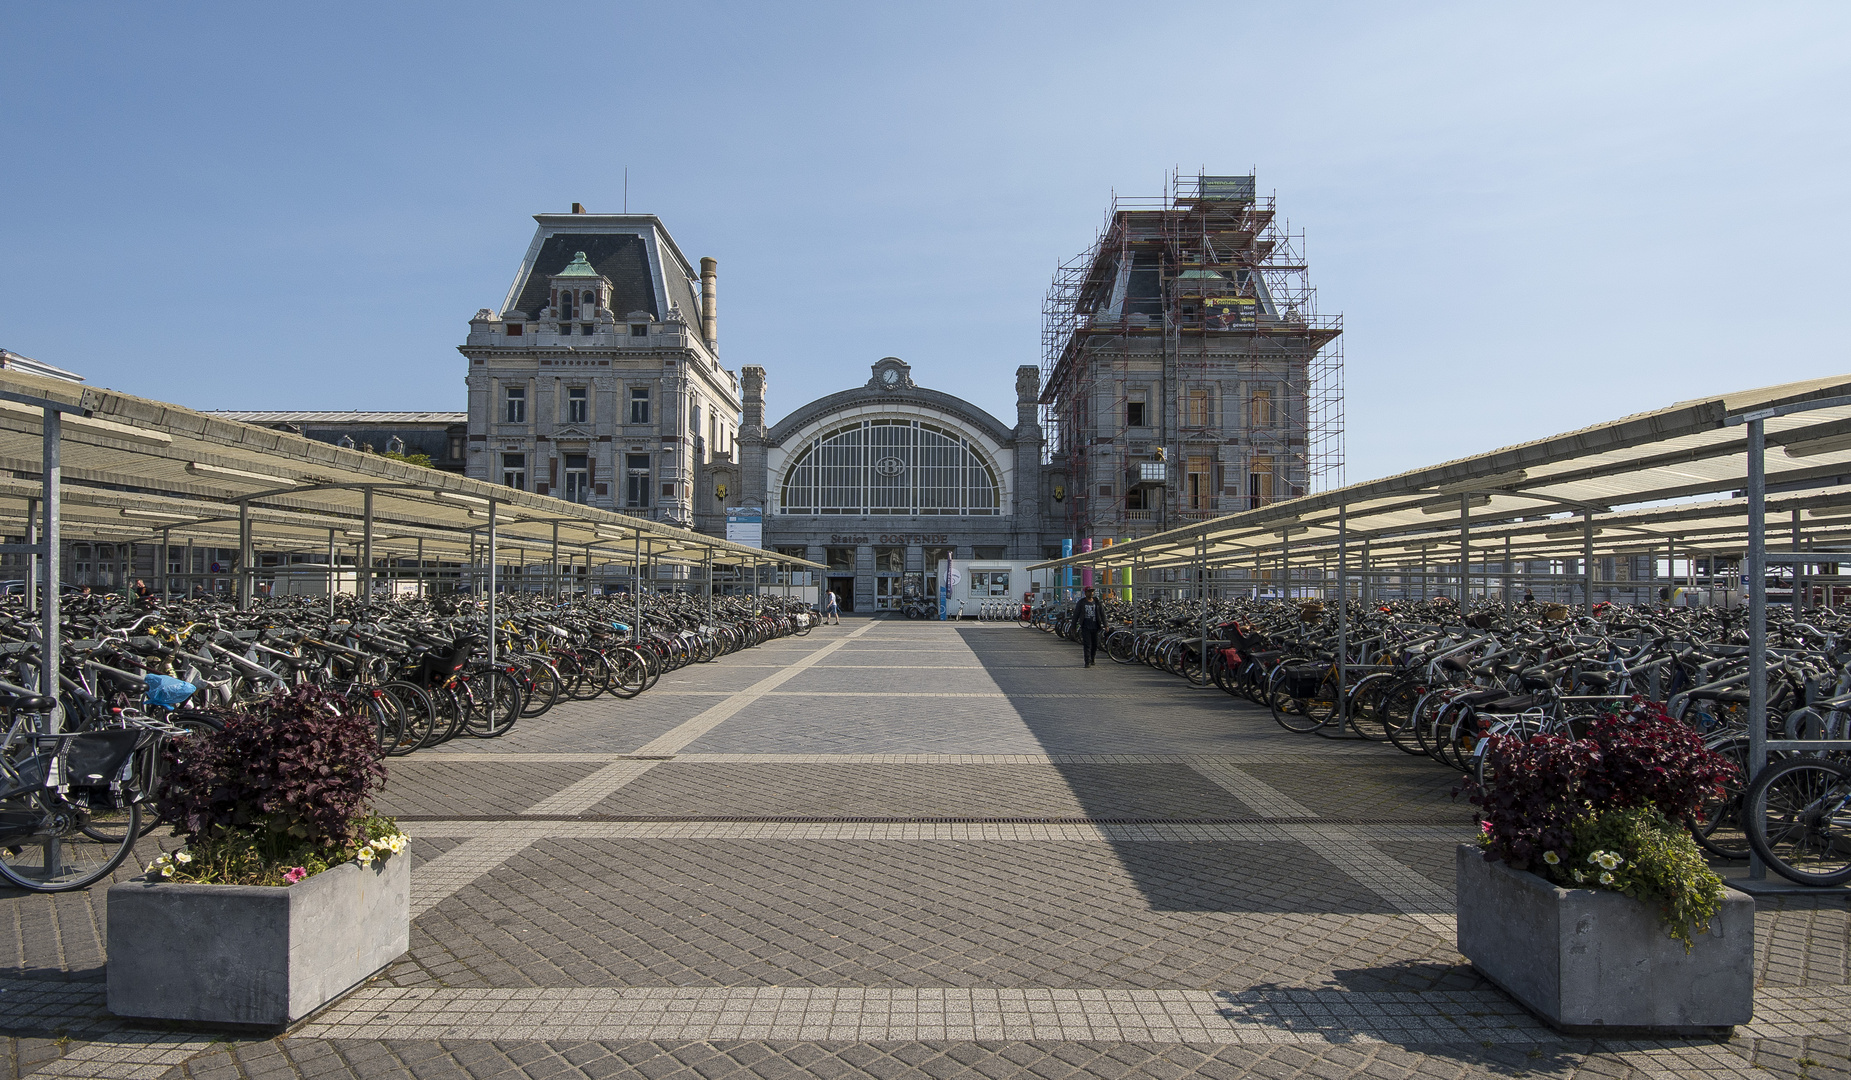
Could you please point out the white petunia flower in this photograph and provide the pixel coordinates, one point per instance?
(1551, 858)
(182, 857)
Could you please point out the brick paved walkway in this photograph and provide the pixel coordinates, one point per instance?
(910, 849)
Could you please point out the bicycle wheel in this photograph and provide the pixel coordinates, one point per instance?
(1298, 714)
(1366, 706)
(543, 687)
(419, 713)
(1799, 820)
(629, 671)
(1121, 646)
(1719, 830)
(495, 703)
(43, 846)
(452, 709)
(1399, 707)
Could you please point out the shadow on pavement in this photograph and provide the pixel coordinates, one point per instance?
(1129, 709)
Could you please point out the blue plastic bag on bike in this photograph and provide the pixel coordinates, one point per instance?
(168, 692)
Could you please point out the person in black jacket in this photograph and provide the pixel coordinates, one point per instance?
(1089, 613)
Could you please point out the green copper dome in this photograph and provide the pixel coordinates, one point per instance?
(579, 267)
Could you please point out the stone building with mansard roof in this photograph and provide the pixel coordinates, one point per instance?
(598, 379)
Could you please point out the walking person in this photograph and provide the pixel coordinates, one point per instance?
(1090, 614)
(832, 613)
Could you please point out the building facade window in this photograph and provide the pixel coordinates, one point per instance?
(516, 411)
(578, 478)
(636, 480)
(514, 471)
(1198, 409)
(890, 467)
(639, 405)
(1260, 409)
(1260, 482)
(1134, 414)
(578, 405)
(1197, 481)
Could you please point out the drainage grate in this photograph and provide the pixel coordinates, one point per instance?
(675, 819)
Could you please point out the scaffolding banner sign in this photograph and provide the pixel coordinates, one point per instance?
(746, 525)
(1225, 311)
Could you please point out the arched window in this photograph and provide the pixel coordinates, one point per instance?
(890, 467)
(590, 299)
(565, 304)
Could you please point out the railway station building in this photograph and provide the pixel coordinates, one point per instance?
(882, 481)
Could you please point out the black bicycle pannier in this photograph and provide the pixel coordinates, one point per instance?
(1302, 680)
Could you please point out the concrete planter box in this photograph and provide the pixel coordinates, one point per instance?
(256, 955)
(1589, 961)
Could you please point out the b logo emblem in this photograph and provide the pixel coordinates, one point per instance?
(890, 466)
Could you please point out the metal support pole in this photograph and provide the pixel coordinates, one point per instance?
(1798, 606)
(557, 593)
(247, 577)
(364, 583)
(420, 567)
(160, 568)
(1507, 571)
(50, 645)
(1343, 614)
(33, 562)
(1201, 569)
(1465, 552)
(1285, 565)
(1754, 579)
(1587, 557)
(636, 586)
(710, 586)
(493, 506)
(1671, 568)
(334, 577)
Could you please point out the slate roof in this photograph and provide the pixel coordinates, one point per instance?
(621, 257)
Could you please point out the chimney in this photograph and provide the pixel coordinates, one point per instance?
(578, 208)
(710, 274)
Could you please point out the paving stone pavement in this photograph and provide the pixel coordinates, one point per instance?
(919, 850)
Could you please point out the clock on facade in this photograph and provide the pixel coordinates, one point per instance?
(890, 378)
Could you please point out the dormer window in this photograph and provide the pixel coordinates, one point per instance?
(514, 329)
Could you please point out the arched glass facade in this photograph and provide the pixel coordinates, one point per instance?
(890, 467)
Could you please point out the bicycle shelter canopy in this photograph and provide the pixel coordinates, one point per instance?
(142, 471)
(1665, 480)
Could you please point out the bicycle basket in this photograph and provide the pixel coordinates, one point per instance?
(1302, 680)
(167, 692)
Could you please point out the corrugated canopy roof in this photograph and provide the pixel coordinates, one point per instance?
(133, 467)
(1645, 481)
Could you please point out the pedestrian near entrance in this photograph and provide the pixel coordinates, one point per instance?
(831, 612)
(1090, 614)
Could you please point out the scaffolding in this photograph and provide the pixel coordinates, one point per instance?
(1186, 372)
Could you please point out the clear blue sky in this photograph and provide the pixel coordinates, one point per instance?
(1532, 217)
